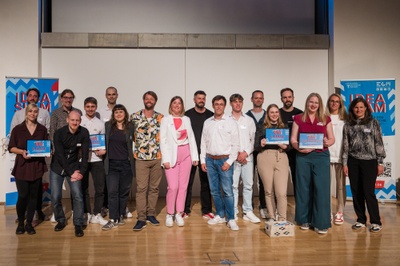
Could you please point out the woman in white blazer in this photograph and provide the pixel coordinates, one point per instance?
(179, 153)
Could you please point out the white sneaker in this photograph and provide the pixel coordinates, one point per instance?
(263, 213)
(236, 217)
(98, 219)
(216, 220)
(53, 218)
(88, 218)
(233, 225)
(250, 216)
(169, 220)
(128, 213)
(179, 220)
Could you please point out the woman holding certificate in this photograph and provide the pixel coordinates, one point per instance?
(118, 164)
(28, 171)
(337, 112)
(272, 142)
(363, 154)
(312, 134)
(179, 153)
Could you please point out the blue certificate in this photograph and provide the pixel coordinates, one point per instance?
(311, 141)
(38, 148)
(277, 135)
(98, 142)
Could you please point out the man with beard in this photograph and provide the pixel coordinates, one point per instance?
(111, 96)
(147, 153)
(198, 114)
(288, 111)
(258, 115)
(33, 96)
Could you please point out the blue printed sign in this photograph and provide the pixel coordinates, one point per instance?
(311, 141)
(38, 148)
(277, 135)
(98, 141)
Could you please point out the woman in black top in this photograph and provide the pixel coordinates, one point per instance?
(118, 164)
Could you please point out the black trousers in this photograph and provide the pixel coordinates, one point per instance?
(205, 194)
(99, 181)
(362, 175)
(27, 199)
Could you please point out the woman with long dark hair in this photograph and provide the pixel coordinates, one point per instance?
(28, 171)
(118, 164)
(363, 154)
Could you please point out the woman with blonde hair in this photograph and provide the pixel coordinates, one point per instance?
(336, 110)
(28, 171)
(179, 153)
(273, 165)
(313, 167)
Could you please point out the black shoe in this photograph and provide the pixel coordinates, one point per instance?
(139, 226)
(29, 229)
(20, 229)
(78, 231)
(60, 226)
(152, 220)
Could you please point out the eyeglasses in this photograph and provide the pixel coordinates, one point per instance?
(68, 98)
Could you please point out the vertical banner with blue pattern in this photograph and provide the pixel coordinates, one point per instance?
(16, 100)
(380, 95)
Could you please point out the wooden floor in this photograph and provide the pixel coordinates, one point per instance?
(200, 244)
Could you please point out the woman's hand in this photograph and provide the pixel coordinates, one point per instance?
(346, 170)
(381, 168)
(167, 165)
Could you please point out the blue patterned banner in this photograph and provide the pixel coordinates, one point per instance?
(380, 95)
(16, 100)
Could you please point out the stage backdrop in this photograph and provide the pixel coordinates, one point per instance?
(380, 95)
(15, 100)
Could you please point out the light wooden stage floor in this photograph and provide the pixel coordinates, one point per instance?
(200, 244)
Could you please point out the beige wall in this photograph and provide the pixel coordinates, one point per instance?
(367, 42)
(19, 53)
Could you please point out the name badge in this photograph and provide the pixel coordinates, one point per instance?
(367, 130)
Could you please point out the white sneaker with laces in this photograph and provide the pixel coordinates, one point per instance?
(179, 220)
(233, 225)
(251, 217)
(216, 220)
(98, 219)
(169, 220)
(263, 213)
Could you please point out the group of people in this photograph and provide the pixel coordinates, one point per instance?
(225, 148)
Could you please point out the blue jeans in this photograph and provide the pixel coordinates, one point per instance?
(119, 181)
(221, 179)
(56, 182)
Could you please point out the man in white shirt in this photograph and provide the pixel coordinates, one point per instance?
(243, 166)
(219, 150)
(96, 167)
(111, 96)
(33, 96)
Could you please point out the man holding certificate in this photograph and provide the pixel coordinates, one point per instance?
(311, 136)
(96, 165)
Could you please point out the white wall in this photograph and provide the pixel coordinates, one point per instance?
(181, 72)
(19, 54)
(366, 43)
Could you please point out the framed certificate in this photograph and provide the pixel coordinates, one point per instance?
(277, 135)
(38, 148)
(311, 141)
(98, 142)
